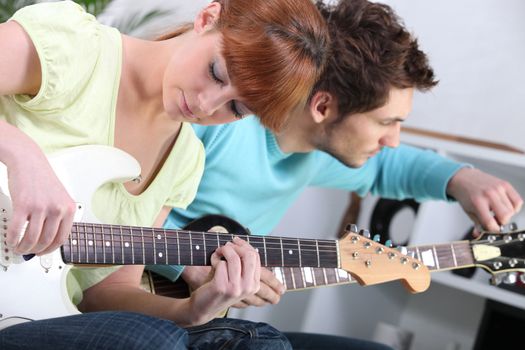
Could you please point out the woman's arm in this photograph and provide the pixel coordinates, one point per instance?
(19, 63)
(38, 197)
(235, 276)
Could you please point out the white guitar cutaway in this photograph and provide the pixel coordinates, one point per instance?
(36, 289)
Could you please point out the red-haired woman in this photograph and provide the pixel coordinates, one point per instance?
(69, 81)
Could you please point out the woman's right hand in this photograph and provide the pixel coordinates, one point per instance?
(43, 211)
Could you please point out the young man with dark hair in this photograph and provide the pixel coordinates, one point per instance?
(346, 138)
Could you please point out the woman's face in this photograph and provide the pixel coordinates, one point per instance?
(197, 87)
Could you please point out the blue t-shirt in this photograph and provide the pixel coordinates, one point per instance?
(248, 178)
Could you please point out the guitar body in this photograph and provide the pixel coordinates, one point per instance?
(36, 289)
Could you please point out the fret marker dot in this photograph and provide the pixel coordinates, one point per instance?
(159, 237)
(290, 252)
(160, 254)
(126, 245)
(197, 247)
(107, 244)
(74, 242)
(257, 250)
(90, 243)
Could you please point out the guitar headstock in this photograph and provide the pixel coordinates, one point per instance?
(370, 262)
(499, 252)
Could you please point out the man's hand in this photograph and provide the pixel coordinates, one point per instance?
(270, 291)
(487, 200)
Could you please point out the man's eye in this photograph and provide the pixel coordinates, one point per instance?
(213, 75)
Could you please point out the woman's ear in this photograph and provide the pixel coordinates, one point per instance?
(322, 106)
(207, 17)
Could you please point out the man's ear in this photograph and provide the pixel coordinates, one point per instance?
(207, 17)
(322, 106)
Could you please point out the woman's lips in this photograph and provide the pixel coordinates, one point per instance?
(185, 109)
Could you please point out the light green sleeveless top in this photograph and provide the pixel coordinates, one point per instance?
(81, 65)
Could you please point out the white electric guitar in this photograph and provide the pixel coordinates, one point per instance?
(35, 288)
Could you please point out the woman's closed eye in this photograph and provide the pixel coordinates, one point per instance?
(213, 74)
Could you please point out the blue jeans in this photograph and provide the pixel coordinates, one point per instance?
(313, 341)
(229, 333)
(132, 331)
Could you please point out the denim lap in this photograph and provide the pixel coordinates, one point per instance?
(97, 330)
(229, 334)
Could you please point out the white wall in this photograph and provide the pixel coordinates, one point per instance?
(476, 48)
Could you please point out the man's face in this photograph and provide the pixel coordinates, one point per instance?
(358, 137)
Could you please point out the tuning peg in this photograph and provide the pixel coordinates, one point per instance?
(351, 228)
(403, 250)
(510, 278)
(377, 238)
(496, 279)
(512, 226)
(389, 244)
(365, 233)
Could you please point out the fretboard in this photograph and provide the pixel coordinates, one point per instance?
(445, 256)
(295, 278)
(130, 245)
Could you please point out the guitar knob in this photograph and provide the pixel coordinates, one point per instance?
(522, 278)
(388, 243)
(403, 250)
(365, 233)
(496, 279)
(510, 278)
(512, 226)
(351, 228)
(377, 238)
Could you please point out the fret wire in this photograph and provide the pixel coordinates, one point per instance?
(78, 246)
(299, 252)
(178, 248)
(218, 239)
(282, 251)
(154, 242)
(337, 276)
(132, 242)
(204, 244)
(293, 279)
(452, 248)
(265, 254)
(112, 244)
(94, 241)
(122, 245)
(436, 256)
(191, 250)
(71, 247)
(103, 243)
(418, 254)
(318, 257)
(143, 248)
(86, 243)
(166, 246)
(283, 277)
(302, 273)
(314, 278)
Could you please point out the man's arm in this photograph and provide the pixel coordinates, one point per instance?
(487, 200)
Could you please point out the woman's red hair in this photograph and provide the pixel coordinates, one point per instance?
(275, 51)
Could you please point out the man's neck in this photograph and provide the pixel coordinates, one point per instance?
(297, 135)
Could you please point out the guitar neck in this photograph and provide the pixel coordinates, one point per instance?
(437, 257)
(131, 245)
